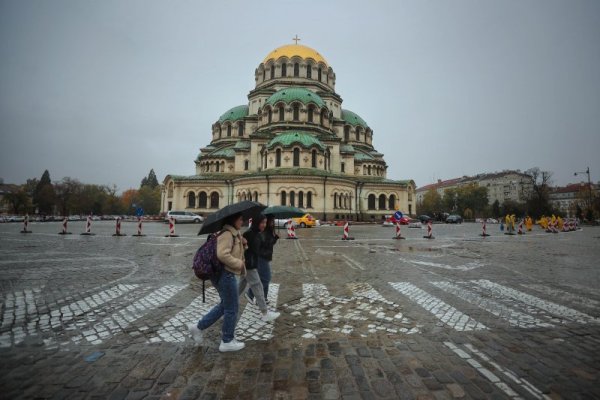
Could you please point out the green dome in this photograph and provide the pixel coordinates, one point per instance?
(360, 156)
(225, 152)
(287, 139)
(234, 114)
(302, 95)
(353, 119)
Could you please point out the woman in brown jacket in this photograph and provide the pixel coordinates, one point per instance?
(230, 251)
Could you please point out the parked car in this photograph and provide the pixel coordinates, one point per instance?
(454, 219)
(390, 220)
(183, 216)
(424, 218)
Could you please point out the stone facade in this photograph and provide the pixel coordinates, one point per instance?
(292, 144)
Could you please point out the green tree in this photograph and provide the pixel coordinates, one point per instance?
(149, 199)
(150, 180)
(18, 200)
(44, 197)
(431, 204)
(66, 191)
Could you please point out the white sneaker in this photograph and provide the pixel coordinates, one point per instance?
(250, 299)
(234, 345)
(270, 316)
(196, 333)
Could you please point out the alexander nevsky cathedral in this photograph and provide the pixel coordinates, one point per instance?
(292, 144)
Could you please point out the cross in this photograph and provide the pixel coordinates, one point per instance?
(296, 39)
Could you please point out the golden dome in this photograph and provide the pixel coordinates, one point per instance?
(291, 50)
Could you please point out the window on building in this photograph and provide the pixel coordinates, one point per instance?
(314, 158)
(392, 202)
(246, 165)
(309, 200)
(272, 71)
(357, 134)
(296, 157)
(217, 167)
(281, 113)
(292, 199)
(229, 130)
(278, 158)
(369, 170)
(283, 199)
(309, 71)
(343, 167)
(256, 196)
(214, 200)
(220, 132)
(319, 74)
(382, 202)
(310, 114)
(240, 129)
(270, 116)
(284, 69)
(335, 200)
(296, 109)
(322, 118)
(301, 199)
(296, 70)
(202, 200)
(371, 202)
(347, 133)
(191, 200)
(170, 191)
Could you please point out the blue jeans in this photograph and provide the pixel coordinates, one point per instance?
(264, 271)
(227, 286)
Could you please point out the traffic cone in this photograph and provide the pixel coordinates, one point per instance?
(484, 231)
(26, 224)
(171, 228)
(346, 234)
(118, 228)
(139, 228)
(291, 230)
(429, 231)
(88, 227)
(398, 232)
(64, 227)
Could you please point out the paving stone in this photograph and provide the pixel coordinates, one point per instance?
(330, 392)
(456, 391)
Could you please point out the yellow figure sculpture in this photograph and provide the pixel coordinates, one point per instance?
(559, 221)
(528, 223)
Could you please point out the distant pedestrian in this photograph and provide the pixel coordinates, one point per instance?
(269, 239)
(255, 239)
(230, 251)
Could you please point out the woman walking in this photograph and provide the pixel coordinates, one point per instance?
(254, 238)
(230, 251)
(269, 238)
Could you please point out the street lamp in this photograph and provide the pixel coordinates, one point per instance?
(587, 171)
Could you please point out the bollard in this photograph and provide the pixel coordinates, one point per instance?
(520, 232)
(171, 228)
(26, 224)
(398, 232)
(88, 227)
(64, 227)
(118, 228)
(484, 230)
(429, 232)
(346, 234)
(139, 228)
(291, 230)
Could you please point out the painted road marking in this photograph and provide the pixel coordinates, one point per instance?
(514, 317)
(447, 314)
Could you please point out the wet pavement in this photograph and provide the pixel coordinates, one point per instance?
(458, 316)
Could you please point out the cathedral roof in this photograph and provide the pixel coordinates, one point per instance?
(289, 95)
(291, 50)
(353, 118)
(234, 114)
(287, 139)
(360, 156)
(226, 152)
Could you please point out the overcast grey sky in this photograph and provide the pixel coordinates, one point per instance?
(102, 91)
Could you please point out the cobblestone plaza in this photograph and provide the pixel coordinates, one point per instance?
(458, 316)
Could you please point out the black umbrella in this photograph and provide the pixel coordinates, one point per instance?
(214, 222)
(282, 212)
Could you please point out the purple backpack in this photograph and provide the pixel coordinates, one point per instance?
(206, 265)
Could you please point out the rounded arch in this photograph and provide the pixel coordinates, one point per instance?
(392, 202)
(371, 201)
(256, 196)
(214, 200)
(202, 200)
(170, 189)
(191, 199)
(382, 202)
(283, 198)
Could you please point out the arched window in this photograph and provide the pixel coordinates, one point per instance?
(246, 165)
(284, 70)
(296, 109)
(392, 202)
(220, 132)
(322, 118)
(319, 74)
(343, 167)
(170, 192)
(292, 199)
(202, 200)
(369, 170)
(191, 200)
(341, 198)
(314, 158)
(217, 167)
(264, 74)
(309, 71)
(256, 196)
(347, 133)
(270, 116)
(335, 200)
(301, 199)
(382, 202)
(214, 200)
(296, 70)
(272, 71)
(309, 200)
(310, 114)
(296, 157)
(371, 202)
(283, 198)
(229, 130)
(265, 159)
(240, 129)
(357, 134)
(281, 113)
(278, 158)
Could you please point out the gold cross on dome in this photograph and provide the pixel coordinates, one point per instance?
(296, 39)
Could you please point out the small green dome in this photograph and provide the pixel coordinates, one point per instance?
(225, 152)
(289, 95)
(287, 139)
(234, 114)
(353, 119)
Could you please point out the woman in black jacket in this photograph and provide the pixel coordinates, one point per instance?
(265, 256)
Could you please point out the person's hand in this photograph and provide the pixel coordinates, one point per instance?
(244, 241)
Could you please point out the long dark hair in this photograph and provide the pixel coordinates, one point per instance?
(270, 228)
(256, 222)
(231, 219)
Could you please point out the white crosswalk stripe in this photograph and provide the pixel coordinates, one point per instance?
(514, 317)
(250, 326)
(563, 312)
(564, 295)
(447, 314)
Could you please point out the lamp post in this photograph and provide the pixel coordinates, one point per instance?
(587, 171)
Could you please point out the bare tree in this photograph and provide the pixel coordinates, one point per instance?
(538, 200)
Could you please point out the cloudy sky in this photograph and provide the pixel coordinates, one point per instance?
(102, 91)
